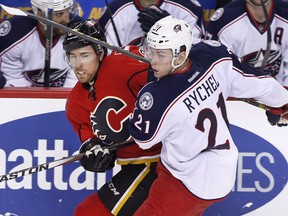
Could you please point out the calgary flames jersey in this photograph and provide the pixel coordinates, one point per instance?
(106, 114)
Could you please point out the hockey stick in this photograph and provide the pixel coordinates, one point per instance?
(56, 163)
(113, 24)
(18, 12)
(254, 103)
(48, 47)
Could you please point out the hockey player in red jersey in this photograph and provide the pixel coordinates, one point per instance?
(99, 107)
(185, 110)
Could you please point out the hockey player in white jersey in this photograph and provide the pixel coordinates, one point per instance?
(185, 110)
(22, 47)
(242, 27)
(126, 21)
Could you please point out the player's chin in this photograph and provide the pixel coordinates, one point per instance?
(82, 79)
(157, 74)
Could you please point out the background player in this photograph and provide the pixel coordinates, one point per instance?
(243, 28)
(185, 110)
(22, 47)
(99, 107)
(133, 18)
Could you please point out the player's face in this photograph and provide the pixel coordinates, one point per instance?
(62, 17)
(160, 60)
(85, 63)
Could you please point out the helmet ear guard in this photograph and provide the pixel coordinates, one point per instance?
(89, 28)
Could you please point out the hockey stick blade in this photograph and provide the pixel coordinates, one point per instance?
(56, 163)
(18, 12)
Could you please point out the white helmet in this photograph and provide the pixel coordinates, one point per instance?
(58, 5)
(170, 33)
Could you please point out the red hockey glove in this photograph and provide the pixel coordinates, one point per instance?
(278, 116)
(97, 158)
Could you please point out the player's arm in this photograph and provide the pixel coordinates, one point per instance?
(146, 124)
(262, 88)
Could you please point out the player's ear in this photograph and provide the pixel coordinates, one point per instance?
(181, 57)
(101, 55)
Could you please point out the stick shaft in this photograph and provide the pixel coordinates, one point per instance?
(48, 45)
(56, 163)
(15, 11)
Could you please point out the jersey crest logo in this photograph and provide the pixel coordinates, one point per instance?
(146, 101)
(5, 28)
(217, 14)
(57, 77)
(273, 63)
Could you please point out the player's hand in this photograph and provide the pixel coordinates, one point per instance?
(278, 116)
(97, 158)
(149, 16)
(2, 80)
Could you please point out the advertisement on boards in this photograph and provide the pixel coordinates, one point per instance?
(36, 131)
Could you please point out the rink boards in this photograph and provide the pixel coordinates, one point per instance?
(34, 130)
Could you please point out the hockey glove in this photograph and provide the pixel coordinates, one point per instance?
(97, 158)
(278, 116)
(149, 16)
(2, 80)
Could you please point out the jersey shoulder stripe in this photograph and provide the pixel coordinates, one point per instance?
(19, 27)
(225, 15)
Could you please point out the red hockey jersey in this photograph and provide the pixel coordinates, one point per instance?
(118, 81)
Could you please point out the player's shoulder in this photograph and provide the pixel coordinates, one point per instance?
(114, 6)
(281, 8)
(208, 51)
(14, 29)
(76, 91)
(124, 58)
(224, 15)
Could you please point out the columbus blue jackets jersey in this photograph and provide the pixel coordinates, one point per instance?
(234, 26)
(22, 55)
(125, 15)
(187, 113)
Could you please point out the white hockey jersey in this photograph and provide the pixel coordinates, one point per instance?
(186, 112)
(125, 15)
(22, 55)
(234, 26)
